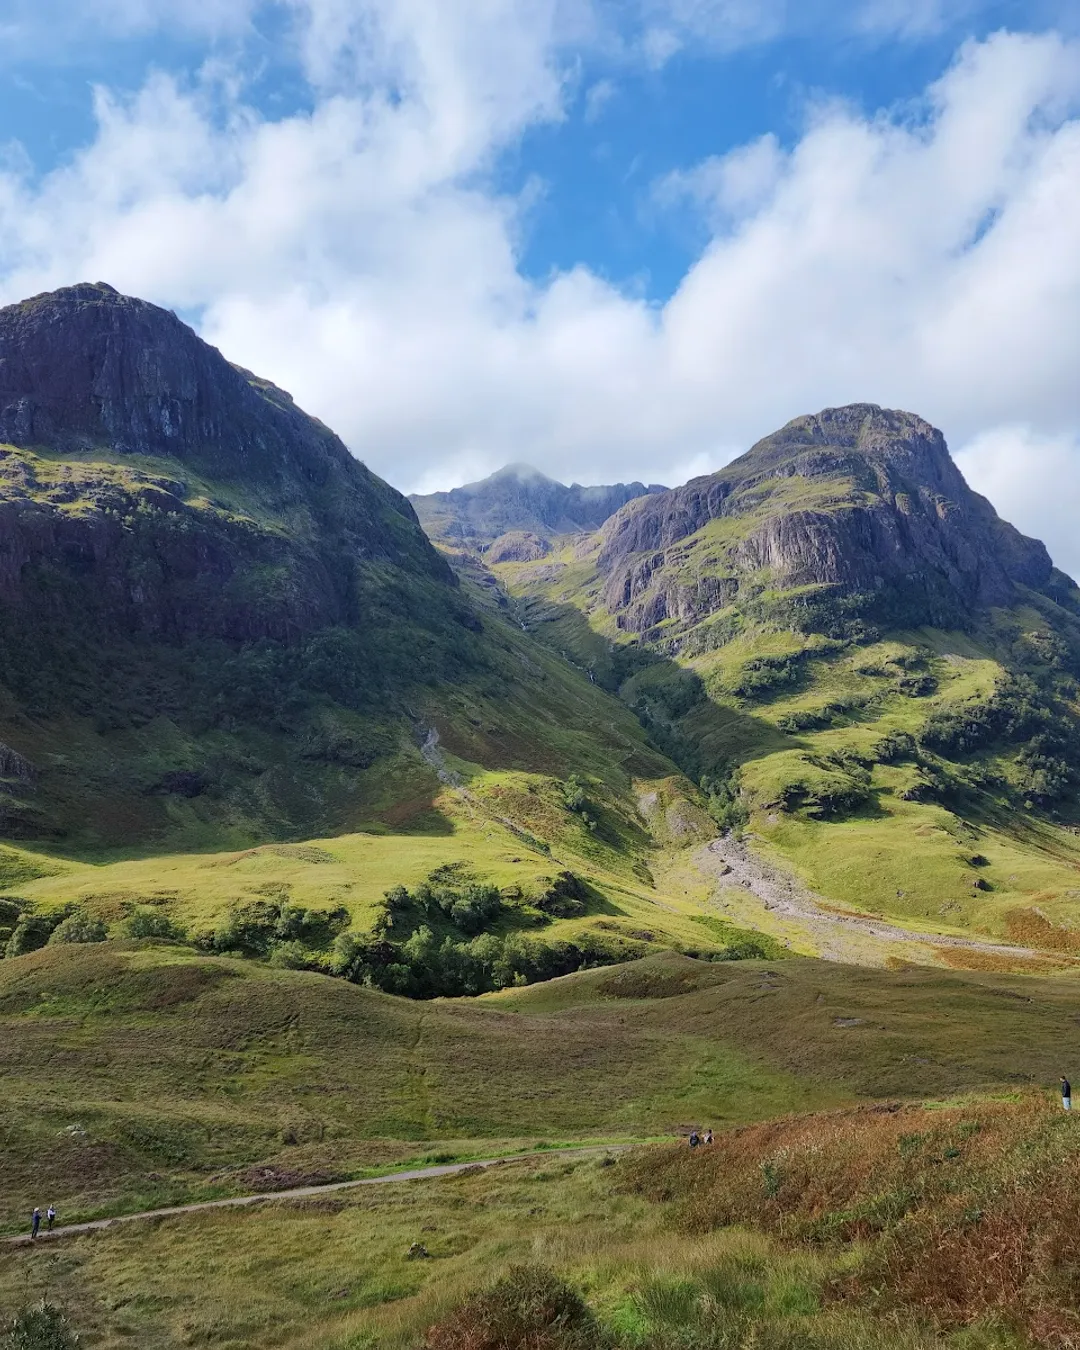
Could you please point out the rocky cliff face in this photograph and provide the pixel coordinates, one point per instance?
(862, 500)
(519, 499)
(147, 482)
(203, 595)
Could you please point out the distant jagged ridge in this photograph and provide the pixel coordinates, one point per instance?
(522, 504)
(861, 503)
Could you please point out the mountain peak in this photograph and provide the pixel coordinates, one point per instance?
(87, 367)
(523, 473)
(862, 500)
(519, 498)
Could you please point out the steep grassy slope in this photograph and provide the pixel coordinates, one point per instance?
(858, 658)
(137, 1074)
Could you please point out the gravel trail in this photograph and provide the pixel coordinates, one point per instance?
(301, 1192)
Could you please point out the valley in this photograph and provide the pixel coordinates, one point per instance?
(333, 849)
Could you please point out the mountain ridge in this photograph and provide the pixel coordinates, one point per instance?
(859, 499)
(517, 510)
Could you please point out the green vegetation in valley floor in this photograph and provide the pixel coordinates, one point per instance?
(564, 871)
(139, 1075)
(876, 1229)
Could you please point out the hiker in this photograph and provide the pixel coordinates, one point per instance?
(35, 1224)
(708, 1137)
(694, 1140)
(50, 1217)
(1066, 1094)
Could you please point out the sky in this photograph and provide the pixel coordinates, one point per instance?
(614, 239)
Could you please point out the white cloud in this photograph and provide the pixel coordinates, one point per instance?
(597, 98)
(358, 255)
(725, 187)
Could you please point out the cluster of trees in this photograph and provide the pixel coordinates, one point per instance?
(23, 929)
(723, 798)
(287, 934)
(448, 893)
(764, 676)
(429, 966)
(1019, 714)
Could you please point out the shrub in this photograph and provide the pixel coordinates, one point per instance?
(529, 1308)
(763, 676)
(564, 898)
(148, 923)
(293, 956)
(80, 927)
(31, 932)
(896, 745)
(42, 1327)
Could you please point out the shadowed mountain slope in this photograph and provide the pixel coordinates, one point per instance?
(215, 623)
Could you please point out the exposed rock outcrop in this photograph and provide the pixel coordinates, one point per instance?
(861, 499)
(259, 524)
(517, 546)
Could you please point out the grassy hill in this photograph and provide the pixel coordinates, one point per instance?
(889, 1226)
(138, 1074)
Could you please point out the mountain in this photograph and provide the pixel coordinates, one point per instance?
(262, 523)
(514, 514)
(857, 656)
(215, 623)
(858, 502)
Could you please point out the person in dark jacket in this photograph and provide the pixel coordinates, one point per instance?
(694, 1140)
(1066, 1093)
(35, 1223)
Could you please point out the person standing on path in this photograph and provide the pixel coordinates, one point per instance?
(50, 1217)
(35, 1223)
(1066, 1093)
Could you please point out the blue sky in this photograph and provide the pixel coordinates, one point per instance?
(612, 239)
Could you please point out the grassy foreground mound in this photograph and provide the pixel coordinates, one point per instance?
(876, 1229)
(962, 1214)
(138, 1075)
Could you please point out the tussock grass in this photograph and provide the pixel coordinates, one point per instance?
(961, 1215)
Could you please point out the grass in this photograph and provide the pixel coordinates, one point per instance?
(510, 829)
(955, 1213)
(140, 1075)
(631, 1263)
(795, 744)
